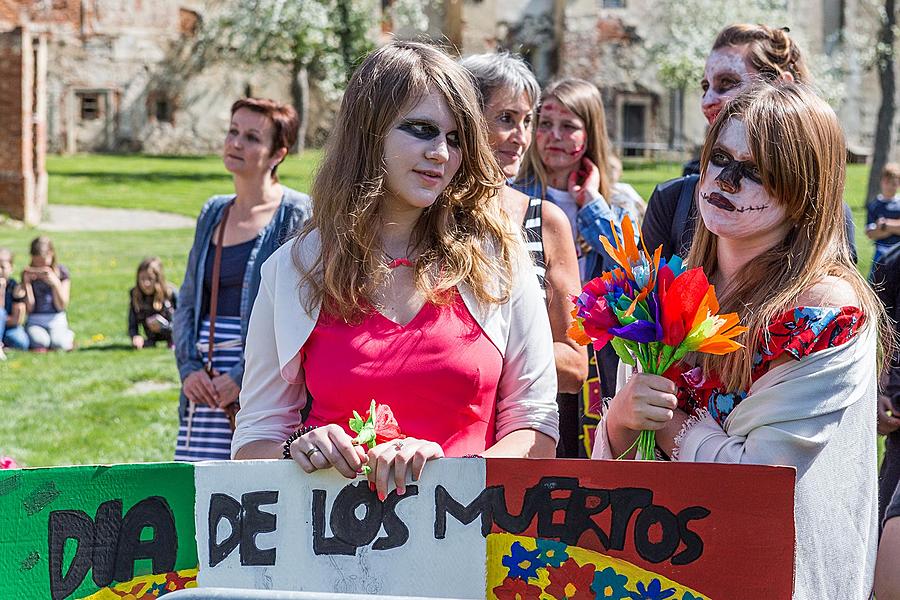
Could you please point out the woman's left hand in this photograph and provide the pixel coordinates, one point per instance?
(589, 188)
(227, 391)
(403, 455)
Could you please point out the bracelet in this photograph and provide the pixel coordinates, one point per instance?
(286, 451)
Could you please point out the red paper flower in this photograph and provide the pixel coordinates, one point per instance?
(517, 589)
(679, 303)
(571, 581)
(386, 426)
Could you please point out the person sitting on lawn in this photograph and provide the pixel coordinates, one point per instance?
(47, 285)
(12, 309)
(152, 305)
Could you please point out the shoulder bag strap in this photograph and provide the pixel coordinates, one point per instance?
(214, 291)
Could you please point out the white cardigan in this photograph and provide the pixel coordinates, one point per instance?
(816, 414)
(274, 391)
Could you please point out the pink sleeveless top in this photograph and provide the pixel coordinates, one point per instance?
(438, 373)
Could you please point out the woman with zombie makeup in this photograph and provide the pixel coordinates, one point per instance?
(509, 93)
(235, 234)
(409, 286)
(802, 390)
(568, 165)
(741, 54)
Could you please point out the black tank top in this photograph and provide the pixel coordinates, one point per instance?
(534, 241)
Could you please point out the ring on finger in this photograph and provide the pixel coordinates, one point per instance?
(309, 453)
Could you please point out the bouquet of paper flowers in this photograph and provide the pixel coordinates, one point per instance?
(652, 311)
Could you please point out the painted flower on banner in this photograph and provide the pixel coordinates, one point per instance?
(553, 553)
(690, 596)
(522, 563)
(571, 581)
(517, 589)
(653, 591)
(609, 585)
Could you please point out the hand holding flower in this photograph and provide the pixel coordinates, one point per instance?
(326, 447)
(653, 313)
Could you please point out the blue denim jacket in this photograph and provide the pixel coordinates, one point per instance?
(293, 212)
(593, 220)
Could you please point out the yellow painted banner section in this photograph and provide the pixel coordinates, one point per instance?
(525, 568)
(148, 586)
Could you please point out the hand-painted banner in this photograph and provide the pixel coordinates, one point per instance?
(83, 532)
(470, 528)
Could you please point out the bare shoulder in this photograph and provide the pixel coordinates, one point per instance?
(554, 219)
(830, 291)
(515, 203)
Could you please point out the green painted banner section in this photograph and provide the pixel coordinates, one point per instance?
(28, 497)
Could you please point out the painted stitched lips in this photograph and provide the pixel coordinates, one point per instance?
(720, 201)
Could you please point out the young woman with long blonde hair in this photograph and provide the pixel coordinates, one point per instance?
(802, 390)
(409, 286)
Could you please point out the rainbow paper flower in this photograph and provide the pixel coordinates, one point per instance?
(652, 311)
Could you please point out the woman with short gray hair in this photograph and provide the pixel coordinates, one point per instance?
(509, 95)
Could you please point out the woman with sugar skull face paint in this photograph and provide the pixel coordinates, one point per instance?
(741, 55)
(802, 390)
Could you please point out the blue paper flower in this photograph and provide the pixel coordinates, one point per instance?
(653, 591)
(552, 553)
(609, 585)
(519, 556)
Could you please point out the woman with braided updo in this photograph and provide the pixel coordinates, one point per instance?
(741, 54)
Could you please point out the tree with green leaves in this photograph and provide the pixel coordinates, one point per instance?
(322, 39)
(884, 53)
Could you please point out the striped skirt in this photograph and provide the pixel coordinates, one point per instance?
(206, 434)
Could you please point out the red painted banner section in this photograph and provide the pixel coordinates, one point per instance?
(726, 531)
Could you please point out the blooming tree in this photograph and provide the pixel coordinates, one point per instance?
(320, 39)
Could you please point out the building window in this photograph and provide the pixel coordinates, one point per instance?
(613, 3)
(160, 107)
(90, 106)
(163, 110)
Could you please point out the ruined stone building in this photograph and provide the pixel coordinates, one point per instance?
(120, 75)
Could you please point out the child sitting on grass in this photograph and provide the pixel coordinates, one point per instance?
(47, 286)
(883, 213)
(152, 305)
(12, 307)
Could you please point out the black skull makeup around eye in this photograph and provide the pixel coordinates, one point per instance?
(734, 170)
(420, 129)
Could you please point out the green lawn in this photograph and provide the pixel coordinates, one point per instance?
(176, 184)
(105, 403)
